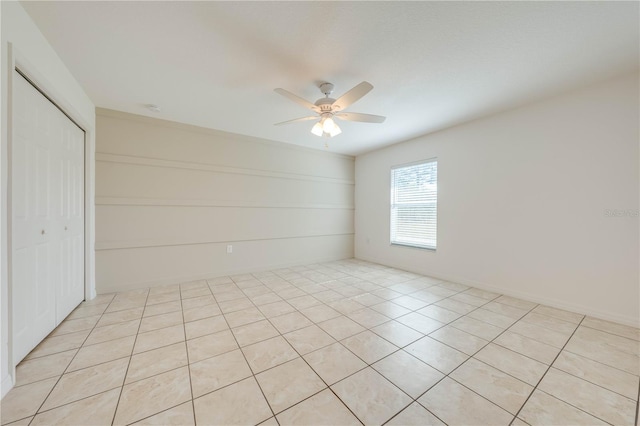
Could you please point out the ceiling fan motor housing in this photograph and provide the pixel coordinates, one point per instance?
(325, 104)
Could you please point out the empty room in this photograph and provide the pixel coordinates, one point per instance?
(319, 213)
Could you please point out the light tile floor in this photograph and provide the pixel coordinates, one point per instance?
(345, 342)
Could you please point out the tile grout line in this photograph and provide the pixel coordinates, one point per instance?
(186, 350)
(67, 367)
(422, 406)
(294, 349)
(305, 361)
(133, 347)
(590, 327)
(24, 360)
(589, 381)
(253, 375)
(515, 332)
(367, 365)
(470, 357)
(547, 371)
(601, 363)
(49, 336)
(153, 375)
(400, 348)
(637, 405)
(160, 347)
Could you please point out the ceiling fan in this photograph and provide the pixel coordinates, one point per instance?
(328, 108)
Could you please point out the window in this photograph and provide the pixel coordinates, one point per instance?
(414, 204)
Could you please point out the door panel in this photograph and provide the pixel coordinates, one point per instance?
(42, 267)
(47, 261)
(22, 273)
(71, 218)
(32, 286)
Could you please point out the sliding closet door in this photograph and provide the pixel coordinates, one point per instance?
(47, 222)
(70, 217)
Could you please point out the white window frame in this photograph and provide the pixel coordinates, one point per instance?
(394, 241)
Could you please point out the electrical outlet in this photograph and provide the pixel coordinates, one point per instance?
(229, 249)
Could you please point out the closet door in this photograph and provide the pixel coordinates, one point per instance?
(70, 218)
(47, 260)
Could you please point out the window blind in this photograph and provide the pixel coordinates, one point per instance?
(414, 204)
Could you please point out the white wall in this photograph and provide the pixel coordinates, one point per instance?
(171, 197)
(23, 43)
(522, 199)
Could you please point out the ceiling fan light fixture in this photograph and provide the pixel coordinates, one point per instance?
(335, 132)
(317, 129)
(328, 125)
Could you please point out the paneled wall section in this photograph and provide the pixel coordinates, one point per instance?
(171, 197)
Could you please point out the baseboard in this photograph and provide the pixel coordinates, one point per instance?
(6, 385)
(183, 279)
(92, 295)
(554, 303)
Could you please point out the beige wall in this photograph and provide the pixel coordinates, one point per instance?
(522, 200)
(171, 197)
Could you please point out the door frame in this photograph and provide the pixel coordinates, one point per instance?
(16, 61)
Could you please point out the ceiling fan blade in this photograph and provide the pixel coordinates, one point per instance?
(297, 99)
(297, 120)
(356, 116)
(352, 96)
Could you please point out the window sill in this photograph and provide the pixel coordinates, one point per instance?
(433, 249)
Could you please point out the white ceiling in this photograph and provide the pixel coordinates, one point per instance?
(433, 64)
